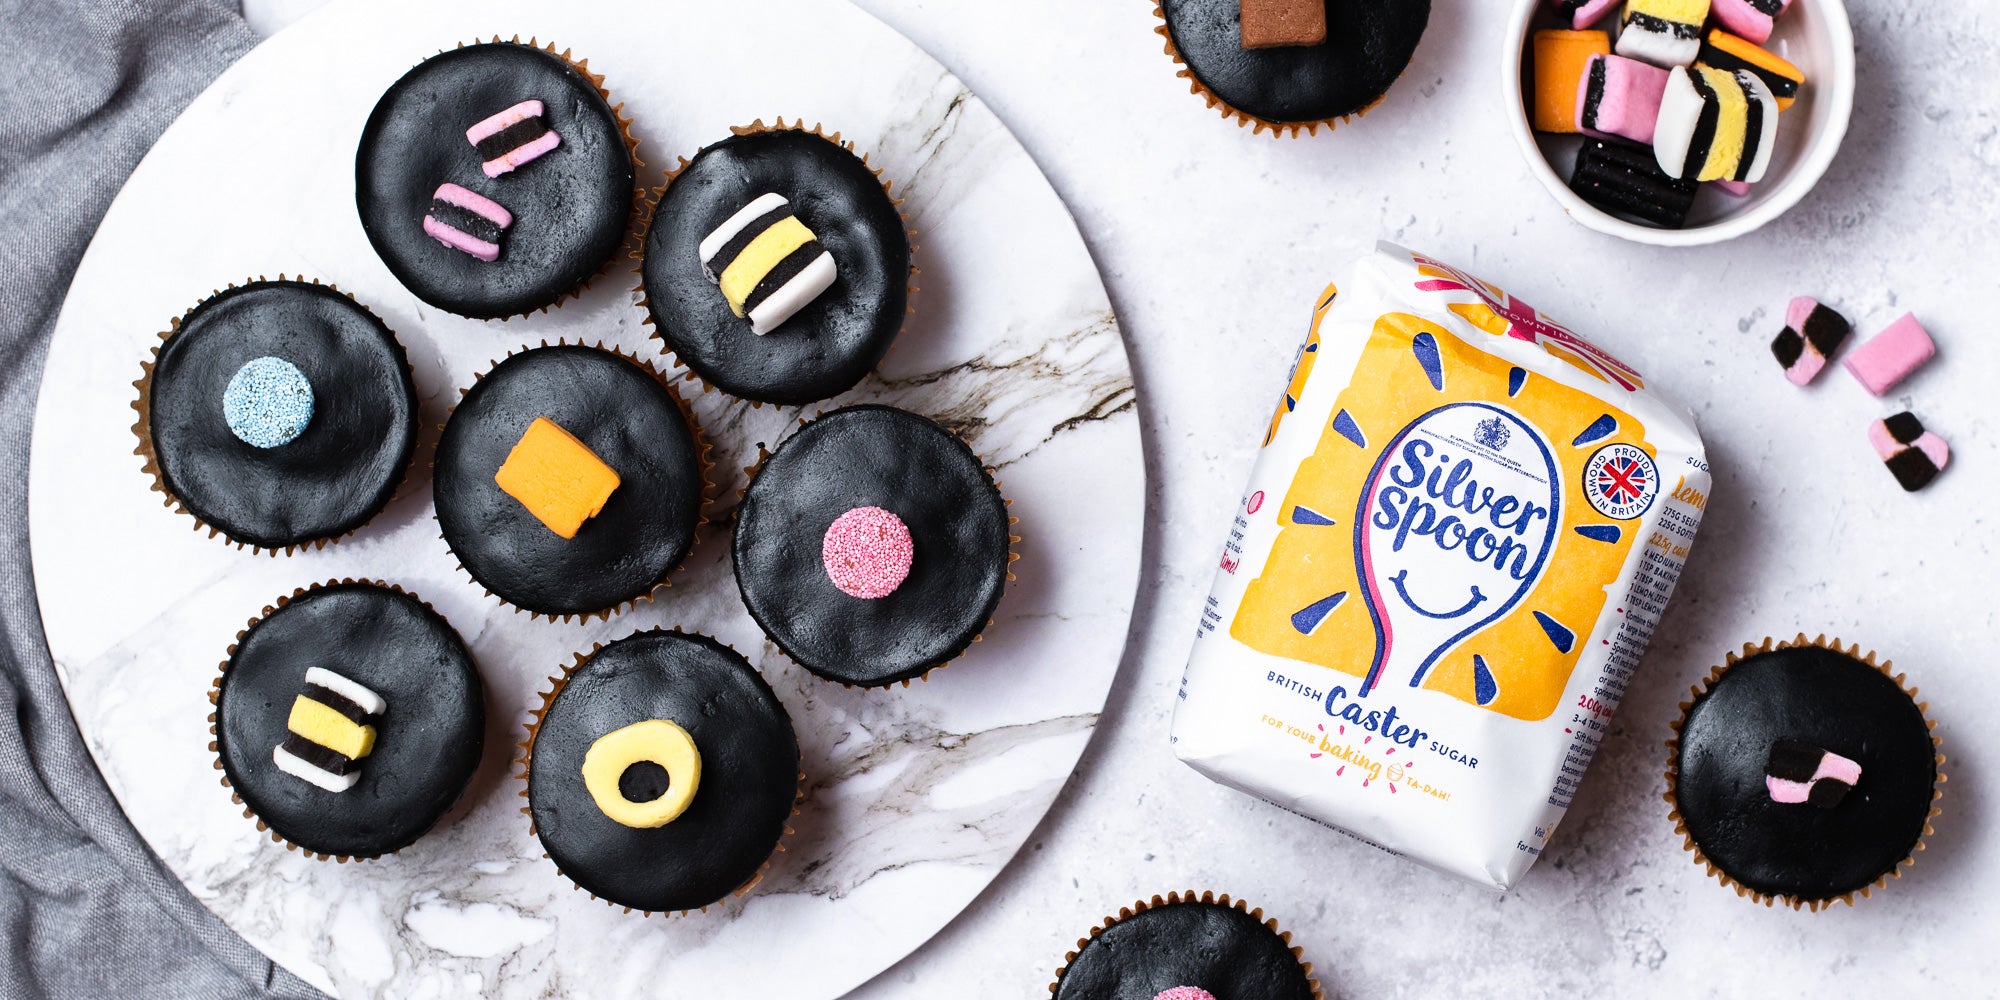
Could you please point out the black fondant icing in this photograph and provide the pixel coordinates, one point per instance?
(1825, 699)
(1209, 946)
(1368, 44)
(335, 475)
(617, 408)
(749, 772)
(571, 206)
(872, 456)
(427, 742)
(837, 338)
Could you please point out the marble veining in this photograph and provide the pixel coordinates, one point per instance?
(913, 798)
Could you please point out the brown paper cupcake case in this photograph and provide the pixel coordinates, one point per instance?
(1673, 768)
(143, 427)
(527, 748)
(652, 205)
(704, 460)
(1188, 896)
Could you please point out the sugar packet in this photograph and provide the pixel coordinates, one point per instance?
(1457, 539)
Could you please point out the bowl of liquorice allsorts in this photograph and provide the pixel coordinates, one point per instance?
(1678, 122)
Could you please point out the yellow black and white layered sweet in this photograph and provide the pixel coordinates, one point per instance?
(767, 263)
(1715, 125)
(331, 728)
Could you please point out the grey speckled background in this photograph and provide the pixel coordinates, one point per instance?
(1213, 242)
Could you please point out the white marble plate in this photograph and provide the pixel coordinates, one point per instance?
(914, 798)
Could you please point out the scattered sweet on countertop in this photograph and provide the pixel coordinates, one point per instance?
(1619, 98)
(1560, 61)
(1811, 335)
(767, 263)
(1803, 773)
(1626, 180)
(1914, 455)
(1270, 24)
(1799, 773)
(1584, 13)
(268, 402)
(513, 137)
(467, 220)
(1665, 33)
(1753, 19)
(1723, 50)
(1890, 356)
(558, 478)
(1715, 124)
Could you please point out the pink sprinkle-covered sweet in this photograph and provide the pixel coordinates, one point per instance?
(867, 552)
(1734, 189)
(1184, 993)
(1890, 356)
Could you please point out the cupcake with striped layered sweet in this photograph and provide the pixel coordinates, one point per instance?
(777, 265)
(497, 178)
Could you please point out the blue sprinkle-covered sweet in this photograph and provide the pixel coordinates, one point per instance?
(268, 402)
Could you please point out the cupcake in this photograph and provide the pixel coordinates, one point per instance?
(872, 546)
(1803, 773)
(777, 267)
(1287, 65)
(1186, 948)
(569, 480)
(278, 413)
(348, 719)
(495, 179)
(661, 772)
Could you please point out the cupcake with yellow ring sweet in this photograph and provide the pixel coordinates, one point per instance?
(662, 772)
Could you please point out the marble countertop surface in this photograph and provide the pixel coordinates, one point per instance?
(1213, 240)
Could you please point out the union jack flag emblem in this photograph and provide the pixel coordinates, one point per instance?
(1622, 480)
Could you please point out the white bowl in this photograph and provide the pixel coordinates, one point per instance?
(1813, 35)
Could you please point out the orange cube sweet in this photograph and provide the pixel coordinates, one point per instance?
(557, 477)
(1560, 58)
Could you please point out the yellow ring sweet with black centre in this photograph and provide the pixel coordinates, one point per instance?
(644, 775)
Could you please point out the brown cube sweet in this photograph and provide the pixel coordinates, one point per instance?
(1268, 24)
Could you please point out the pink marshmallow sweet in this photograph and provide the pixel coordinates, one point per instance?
(1890, 356)
(1751, 19)
(1584, 13)
(1619, 98)
(1184, 993)
(867, 552)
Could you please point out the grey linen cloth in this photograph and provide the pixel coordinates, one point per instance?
(86, 910)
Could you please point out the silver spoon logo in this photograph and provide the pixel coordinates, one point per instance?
(1456, 524)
